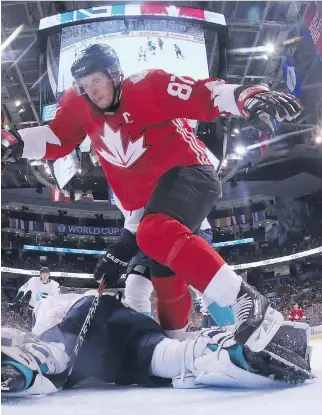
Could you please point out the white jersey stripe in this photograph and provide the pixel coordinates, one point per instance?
(190, 139)
(202, 151)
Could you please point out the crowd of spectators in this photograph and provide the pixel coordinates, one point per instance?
(85, 31)
(283, 292)
(252, 253)
(308, 294)
(16, 241)
(82, 265)
(61, 217)
(245, 253)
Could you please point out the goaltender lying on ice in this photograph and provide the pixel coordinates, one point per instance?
(125, 347)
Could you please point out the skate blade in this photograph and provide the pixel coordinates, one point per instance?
(267, 330)
(310, 375)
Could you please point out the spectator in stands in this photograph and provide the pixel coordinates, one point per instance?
(296, 314)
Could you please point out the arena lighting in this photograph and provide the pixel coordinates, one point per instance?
(241, 150)
(21, 110)
(318, 139)
(18, 103)
(224, 162)
(236, 131)
(270, 48)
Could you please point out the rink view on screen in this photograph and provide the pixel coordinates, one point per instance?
(177, 47)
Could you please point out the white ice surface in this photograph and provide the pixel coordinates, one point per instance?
(299, 400)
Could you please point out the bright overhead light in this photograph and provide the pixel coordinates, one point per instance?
(241, 150)
(79, 171)
(17, 103)
(224, 162)
(270, 48)
(265, 57)
(47, 170)
(318, 139)
(236, 130)
(21, 110)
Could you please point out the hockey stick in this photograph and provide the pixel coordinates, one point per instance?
(85, 327)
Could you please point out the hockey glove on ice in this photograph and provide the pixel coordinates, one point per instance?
(11, 148)
(264, 108)
(117, 255)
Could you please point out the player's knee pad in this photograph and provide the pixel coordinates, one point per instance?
(161, 236)
(160, 271)
(138, 290)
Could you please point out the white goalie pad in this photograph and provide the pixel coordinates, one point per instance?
(222, 372)
(41, 387)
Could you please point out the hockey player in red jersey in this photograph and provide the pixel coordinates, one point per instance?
(296, 314)
(152, 159)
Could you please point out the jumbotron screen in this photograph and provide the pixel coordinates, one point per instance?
(174, 46)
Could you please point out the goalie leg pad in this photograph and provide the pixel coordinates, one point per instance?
(224, 373)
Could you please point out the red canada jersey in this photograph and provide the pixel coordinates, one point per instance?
(146, 136)
(296, 314)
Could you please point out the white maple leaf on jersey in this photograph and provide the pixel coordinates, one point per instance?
(173, 11)
(121, 154)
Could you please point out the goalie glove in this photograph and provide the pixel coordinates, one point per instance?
(11, 148)
(265, 108)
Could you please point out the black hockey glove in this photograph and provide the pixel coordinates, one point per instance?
(11, 148)
(264, 108)
(16, 305)
(117, 255)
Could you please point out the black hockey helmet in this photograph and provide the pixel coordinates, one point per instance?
(98, 58)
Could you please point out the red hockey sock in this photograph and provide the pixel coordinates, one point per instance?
(172, 244)
(173, 302)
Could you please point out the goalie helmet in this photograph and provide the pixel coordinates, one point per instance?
(98, 58)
